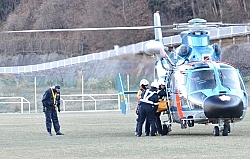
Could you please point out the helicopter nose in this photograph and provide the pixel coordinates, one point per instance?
(223, 106)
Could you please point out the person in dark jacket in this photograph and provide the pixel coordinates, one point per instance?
(161, 96)
(51, 104)
(147, 108)
(143, 86)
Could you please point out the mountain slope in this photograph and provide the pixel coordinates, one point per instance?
(66, 14)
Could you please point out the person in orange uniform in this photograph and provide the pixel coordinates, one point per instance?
(143, 86)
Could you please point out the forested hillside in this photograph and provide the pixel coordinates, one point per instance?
(6, 7)
(64, 14)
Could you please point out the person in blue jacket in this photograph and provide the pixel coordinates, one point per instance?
(51, 104)
(147, 108)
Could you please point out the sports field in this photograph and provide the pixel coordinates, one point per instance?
(111, 135)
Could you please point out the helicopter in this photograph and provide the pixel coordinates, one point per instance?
(200, 88)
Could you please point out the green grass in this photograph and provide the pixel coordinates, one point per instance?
(111, 135)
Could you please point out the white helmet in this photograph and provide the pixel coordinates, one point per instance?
(154, 84)
(144, 82)
(161, 82)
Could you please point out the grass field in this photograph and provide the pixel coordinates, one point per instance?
(111, 135)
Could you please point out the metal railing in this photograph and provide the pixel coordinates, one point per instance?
(22, 102)
(90, 102)
(219, 33)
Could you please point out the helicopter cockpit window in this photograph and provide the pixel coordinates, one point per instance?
(203, 79)
(229, 78)
(198, 40)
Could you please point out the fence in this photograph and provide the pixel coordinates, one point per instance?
(21, 102)
(90, 102)
(219, 33)
(32, 88)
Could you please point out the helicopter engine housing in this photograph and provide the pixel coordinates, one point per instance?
(153, 47)
(184, 51)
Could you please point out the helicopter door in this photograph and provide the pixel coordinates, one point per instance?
(178, 94)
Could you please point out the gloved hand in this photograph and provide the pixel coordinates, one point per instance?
(137, 110)
(44, 109)
(55, 107)
(152, 108)
(58, 108)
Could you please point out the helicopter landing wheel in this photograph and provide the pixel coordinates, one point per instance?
(226, 129)
(166, 129)
(229, 128)
(216, 131)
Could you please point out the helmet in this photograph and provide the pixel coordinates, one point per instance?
(57, 86)
(161, 82)
(144, 82)
(154, 84)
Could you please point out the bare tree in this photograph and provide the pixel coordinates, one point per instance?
(220, 9)
(123, 10)
(49, 14)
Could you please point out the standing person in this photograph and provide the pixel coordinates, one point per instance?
(161, 96)
(147, 108)
(51, 104)
(143, 86)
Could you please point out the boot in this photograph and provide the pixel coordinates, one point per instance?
(49, 134)
(59, 133)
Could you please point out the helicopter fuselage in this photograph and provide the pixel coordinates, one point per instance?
(206, 92)
(200, 88)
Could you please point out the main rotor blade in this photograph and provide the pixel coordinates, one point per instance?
(188, 26)
(234, 24)
(88, 29)
(175, 30)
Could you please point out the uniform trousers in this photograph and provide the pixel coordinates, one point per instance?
(146, 112)
(51, 117)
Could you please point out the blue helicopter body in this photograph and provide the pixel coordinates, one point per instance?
(200, 88)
